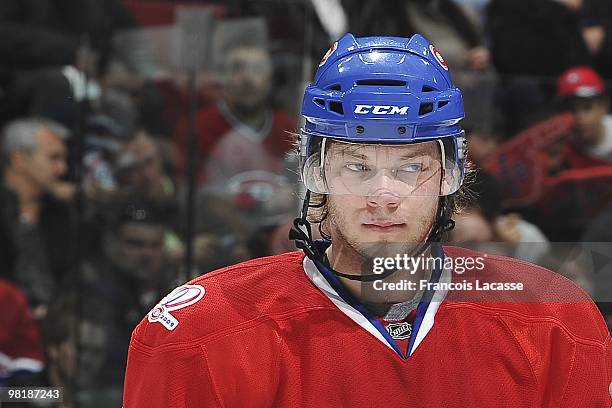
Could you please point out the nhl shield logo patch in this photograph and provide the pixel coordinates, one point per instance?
(179, 298)
(399, 331)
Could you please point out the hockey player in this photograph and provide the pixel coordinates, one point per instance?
(347, 321)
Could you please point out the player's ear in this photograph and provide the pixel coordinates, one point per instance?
(451, 178)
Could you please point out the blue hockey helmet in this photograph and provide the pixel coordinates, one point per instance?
(376, 91)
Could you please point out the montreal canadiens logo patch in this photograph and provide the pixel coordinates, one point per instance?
(179, 298)
(438, 57)
(329, 53)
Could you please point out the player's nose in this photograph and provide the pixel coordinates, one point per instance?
(383, 198)
(383, 191)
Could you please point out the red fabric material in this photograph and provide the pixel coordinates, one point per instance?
(576, 196)
(577, 159)
(264, 336)
(521, 163)
(19, 333)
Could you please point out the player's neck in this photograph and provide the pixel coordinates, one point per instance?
(381, 294)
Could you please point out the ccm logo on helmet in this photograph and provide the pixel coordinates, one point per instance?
(381, 110)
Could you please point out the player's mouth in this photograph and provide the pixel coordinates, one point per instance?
(384, 226)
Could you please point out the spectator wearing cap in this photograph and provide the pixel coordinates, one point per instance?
(582, 91)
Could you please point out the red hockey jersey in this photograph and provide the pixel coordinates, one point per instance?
(279, 332)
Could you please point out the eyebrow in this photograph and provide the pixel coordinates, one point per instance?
(409, 155)
(421, 152)
(357, 155)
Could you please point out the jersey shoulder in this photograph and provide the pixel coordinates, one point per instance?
(254, 292)
(544, 295)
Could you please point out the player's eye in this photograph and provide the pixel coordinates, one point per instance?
(411, 168)
(357, 167)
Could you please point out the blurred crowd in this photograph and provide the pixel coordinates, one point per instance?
(137, 134)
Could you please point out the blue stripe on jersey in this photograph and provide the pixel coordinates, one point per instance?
(427, 295)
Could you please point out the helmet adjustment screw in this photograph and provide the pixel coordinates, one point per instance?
(360, 129)
(401, 130)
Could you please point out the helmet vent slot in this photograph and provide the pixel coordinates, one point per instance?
(336, 107)
(427, 88)
(319, 101)
(335, 87)
(380, 82)
(442, 104)
(425, 108)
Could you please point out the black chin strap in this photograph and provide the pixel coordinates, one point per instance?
(301, 233)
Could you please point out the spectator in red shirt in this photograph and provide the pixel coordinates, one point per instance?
(241, 132)
(21, 349)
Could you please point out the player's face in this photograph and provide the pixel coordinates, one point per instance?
(363, 223)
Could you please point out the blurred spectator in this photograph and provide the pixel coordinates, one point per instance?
(539, 38)
(34, 210)
(104, 140)
(528, 241)
(132, 270)
(320, 22)
(77, 346)
(220, 236)
(140, 171)
(299, 33)
(531, 44)
(59, 329)
(40, 39)
(597, 238)
(441, 21)
(569, 260)
(21, 351)
(600, 229)
(582, 91)
(242, 132)
(596, 25)
(482, 145)
(471, 227)
(508, 235)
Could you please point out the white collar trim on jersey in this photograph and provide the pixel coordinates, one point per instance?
(317, 278)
